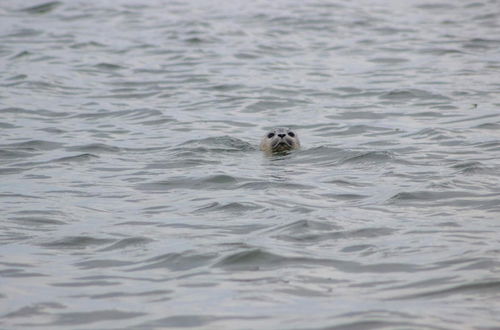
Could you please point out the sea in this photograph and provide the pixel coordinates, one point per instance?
(133, 194)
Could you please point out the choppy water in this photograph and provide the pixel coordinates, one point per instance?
(133, 195)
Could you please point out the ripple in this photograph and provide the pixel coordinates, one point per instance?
(357, 130)
(490, 146)
(131, 114)
(14, 154)
(195, 320)
(126, 294)
(94, 148)
(108, 66)
(272, 105)
(13, 195)
(76, 158)
(478, 288)
(440, 51)
(76, 242)
(388, 60)
(489, 126)
(258, 259)
(371, 157)
(21, 54)
(436, 6)
(6, 125)
(128, 243)
(433, 134)
(210, 182)
(35, 113)
(176, 261)
(381, 319)
(127, 95)
(217, 144)
(11, 170)
(481, 44)
(23, 33)
(345, 196)
(301, 226)
(251, 259)
(469, 167)
(233, 207)
(77, 318)
(32, 145)
(309, 231)
(101, 264)
(186, 162)
(36, 221)
(87, 45)
(264, 185)
(34, 309)
(43, 8)
(20, 273)
(411, 94)
(321, 155)
(462, 199)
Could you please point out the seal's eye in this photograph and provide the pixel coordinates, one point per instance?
(292, 134)
(270, 135)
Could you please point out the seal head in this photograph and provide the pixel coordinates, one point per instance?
(280, 139)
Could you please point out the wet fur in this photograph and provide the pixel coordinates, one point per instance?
(280, 144)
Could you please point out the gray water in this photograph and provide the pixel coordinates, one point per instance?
(133, 194)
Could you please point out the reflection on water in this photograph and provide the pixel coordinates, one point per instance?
(133, 194)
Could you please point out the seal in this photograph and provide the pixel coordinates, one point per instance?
(280, 139)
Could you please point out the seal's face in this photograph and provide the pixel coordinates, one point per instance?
(282, 139)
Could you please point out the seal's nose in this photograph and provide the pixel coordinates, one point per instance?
(281, 135)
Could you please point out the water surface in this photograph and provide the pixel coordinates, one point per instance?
(133, 194)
